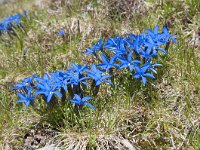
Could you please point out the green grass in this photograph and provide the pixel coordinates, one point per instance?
(163, 115)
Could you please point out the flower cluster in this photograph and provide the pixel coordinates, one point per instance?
(72, 82)
(7, 24)
(135, 53)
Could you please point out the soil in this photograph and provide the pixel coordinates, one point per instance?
(38, 137)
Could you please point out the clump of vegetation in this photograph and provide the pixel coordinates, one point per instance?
(134, 53)
(9, 24)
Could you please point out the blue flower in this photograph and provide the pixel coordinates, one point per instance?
(26, 82)
(7, 23)
(136, 42)
(129, 51)
(155, 39)
(129, 62)
(142, 73)
(166, 36)
(154, 46)
(27, 99)
(48, 90)
(79, 68)
(75, 79)
(96, 47)
(15, 20)
(98, 76)
(75, 75)
(107, 64)
(82, 101)
(94, 70)
(61, 32)
(111, 43)
(45, 78)
(59, 81)
(117, 45)
(63, 75)
(155, 35)
(150, 66)
(148, 54)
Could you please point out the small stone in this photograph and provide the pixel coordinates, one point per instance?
(49, 147)
(127, 144)
(7, 147)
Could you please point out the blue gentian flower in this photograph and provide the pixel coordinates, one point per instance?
(26, 82)
(136, 42)
(7, 23)
(98, 76)
(166, 36)
(142, 73)
(94, 70)
(63, 75)
(111, 43)
(107, 64)
(154, 46)
(79, 68)
(99, 45)
(129, 62)
(59, 81)
(116, 45)
(156, 39)
(155, 36)
(96, 47)
(75, 75)
(15, 20)
(61, 32)
(149, 53)
(151, 66)
(45, 78)
(82, 101)
(27, 99)
(75, 79)
(47, 90)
